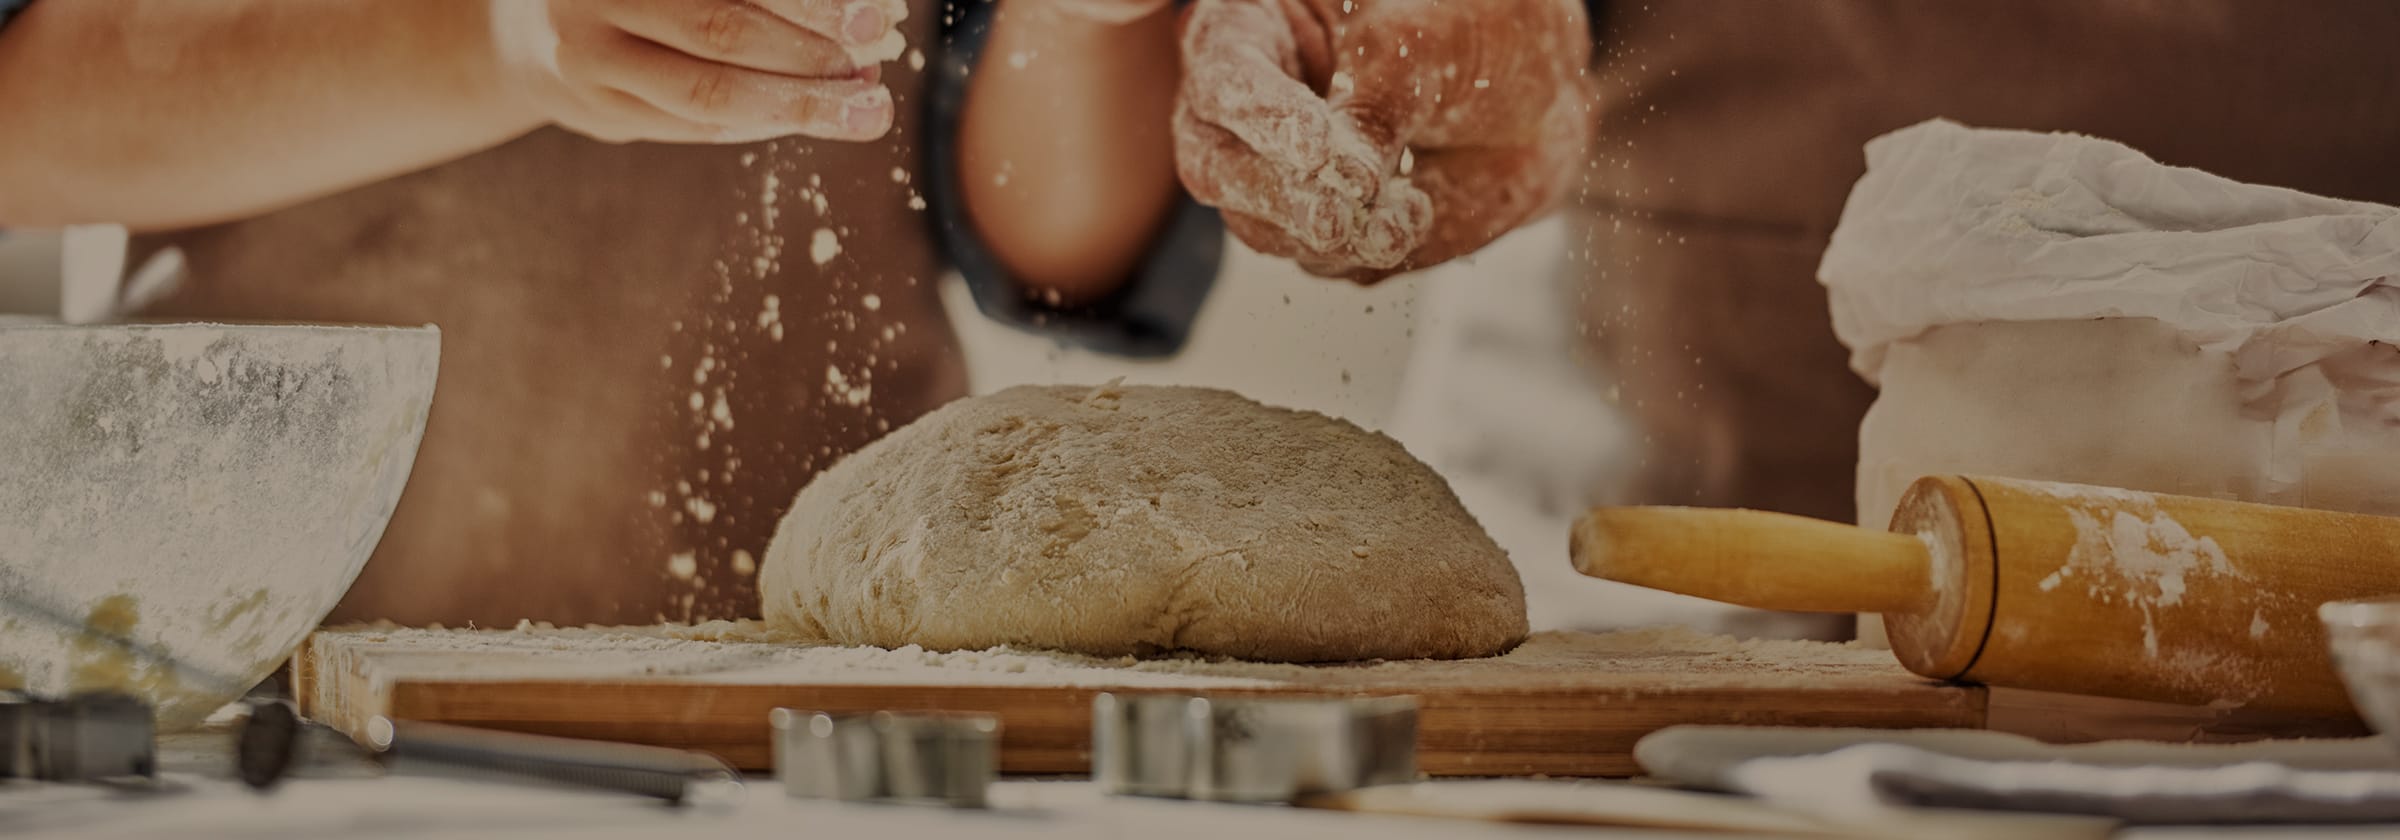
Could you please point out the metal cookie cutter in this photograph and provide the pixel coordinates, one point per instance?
(1250, 749)
(925, 758)
(89, 738)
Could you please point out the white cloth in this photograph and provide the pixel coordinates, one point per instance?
(1958, 225)
(2063, 308)
(1856, 771)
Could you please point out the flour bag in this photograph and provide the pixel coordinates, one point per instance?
(2059, 307)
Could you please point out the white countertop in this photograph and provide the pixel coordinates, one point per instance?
(423, 807)
(199, 800)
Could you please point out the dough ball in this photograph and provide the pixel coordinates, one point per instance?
(1133, 520)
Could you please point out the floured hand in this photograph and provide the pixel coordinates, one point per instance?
(1363, 138)
(702, 71)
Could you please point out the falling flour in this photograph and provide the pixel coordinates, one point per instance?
(824, 246)
(844, 390)
(753, 269)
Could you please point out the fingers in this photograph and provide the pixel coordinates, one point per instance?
(852, 23)
(741, 101)
(1464, 199)
(1313, 223)
(1495, 111)
(748, 35)
(1241, 65)
(1256, 142)
(1266, 238)
(1465, 214)
(1491, 106)
(1224, 172)
(716, 71)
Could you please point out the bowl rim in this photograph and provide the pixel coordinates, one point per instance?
(13, 322)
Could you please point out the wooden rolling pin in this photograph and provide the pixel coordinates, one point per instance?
(2043, 586)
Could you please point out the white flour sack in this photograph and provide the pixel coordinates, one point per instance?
(2064, 308)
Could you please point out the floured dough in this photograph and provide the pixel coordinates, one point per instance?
(1126, 520)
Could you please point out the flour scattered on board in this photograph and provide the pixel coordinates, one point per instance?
(750, 652)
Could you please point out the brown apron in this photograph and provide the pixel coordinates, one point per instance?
(1730, 134)
(596, 303)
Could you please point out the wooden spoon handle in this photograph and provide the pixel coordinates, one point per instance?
(1766, 560)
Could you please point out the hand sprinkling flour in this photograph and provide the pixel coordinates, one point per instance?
(1367, 137)
(718, 72)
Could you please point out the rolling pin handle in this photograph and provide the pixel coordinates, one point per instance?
(1756, 559)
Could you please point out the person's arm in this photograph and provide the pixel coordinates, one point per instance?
(164, 114)
(1067, 166)
(159, 115)
(1138, 273)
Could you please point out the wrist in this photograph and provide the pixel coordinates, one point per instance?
(504, 53)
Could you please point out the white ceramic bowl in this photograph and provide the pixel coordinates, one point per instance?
(2365, 638)
(206, 491)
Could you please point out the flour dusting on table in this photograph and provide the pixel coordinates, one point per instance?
(750, 652)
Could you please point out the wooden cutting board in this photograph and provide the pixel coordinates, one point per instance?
(1568, 704)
